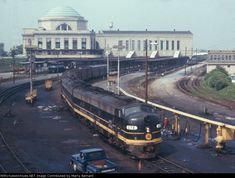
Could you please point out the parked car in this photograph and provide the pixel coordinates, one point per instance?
(92, 160)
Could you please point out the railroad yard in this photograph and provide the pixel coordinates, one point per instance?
(128, 93)
(42, 137)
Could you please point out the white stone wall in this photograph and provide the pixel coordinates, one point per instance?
(230, 68)
(51, 24)
(53, 35)
(107, 41)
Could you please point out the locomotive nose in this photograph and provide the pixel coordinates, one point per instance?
(147, 119)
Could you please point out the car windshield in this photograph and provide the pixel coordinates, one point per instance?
(96, 155)
(141, 108)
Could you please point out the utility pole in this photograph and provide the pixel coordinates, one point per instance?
(107, 52)
(30, 72)
(13, 63)
(146, 72)
(118, 47)
(118, 74)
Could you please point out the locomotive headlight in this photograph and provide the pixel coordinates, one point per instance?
(147, 129)
(158, 126)
(131, 127)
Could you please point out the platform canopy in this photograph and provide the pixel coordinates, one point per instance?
(154, 54)
(130, 54)
(177, 54)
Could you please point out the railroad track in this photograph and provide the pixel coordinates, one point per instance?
(9, 161)
(192, 87)
(163, 165)
(6, 93)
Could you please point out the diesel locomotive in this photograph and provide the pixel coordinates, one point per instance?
(130, 125)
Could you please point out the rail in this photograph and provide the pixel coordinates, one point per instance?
(4, 95)
(14, 155)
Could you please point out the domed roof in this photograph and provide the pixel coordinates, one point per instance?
(62, 11)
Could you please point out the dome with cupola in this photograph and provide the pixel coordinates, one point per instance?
(63, 18)
(62, 11)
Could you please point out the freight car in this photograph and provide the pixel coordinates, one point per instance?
(132, 126)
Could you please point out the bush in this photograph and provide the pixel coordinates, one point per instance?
(221, 84)
(218, 79)
(221, 69)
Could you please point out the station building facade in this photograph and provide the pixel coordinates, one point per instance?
(222, 58)
(63, 33)
(160, 43)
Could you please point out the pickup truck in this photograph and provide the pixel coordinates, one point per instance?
(92, 160)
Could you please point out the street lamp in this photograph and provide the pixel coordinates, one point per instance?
(146, 69)
(118, 47)
(57, 58)
(30, 52)
(107, 53)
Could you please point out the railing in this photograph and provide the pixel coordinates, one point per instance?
(224, 131)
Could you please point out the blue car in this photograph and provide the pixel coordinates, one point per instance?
(92, 160)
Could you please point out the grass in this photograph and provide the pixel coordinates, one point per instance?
(6, 64)
(217, 84)
(228, 93)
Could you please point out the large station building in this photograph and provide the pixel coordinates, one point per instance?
(63, 33)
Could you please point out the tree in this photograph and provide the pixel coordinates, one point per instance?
(19, 49)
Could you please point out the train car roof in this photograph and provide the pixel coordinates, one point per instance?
(102, 97)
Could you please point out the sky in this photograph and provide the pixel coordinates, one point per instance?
(212, 22)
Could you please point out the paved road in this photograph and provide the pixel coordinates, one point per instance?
(165, 89)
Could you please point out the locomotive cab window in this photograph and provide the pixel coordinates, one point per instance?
(140, 108)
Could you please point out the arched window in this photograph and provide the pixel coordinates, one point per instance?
(64, 27)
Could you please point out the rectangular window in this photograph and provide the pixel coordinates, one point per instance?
(150, 45)
(120, 44)
(161, 44)
(75, 44)
(167, 45)
(57, 43)
(133, 45)
(40, 43)
(156, 44)
(139, 45)
(66, 43)
(29, 42)
(173, 45)
(178, 45)
(144, 45)
(48, 43)
(83, 43)
(127, 45)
